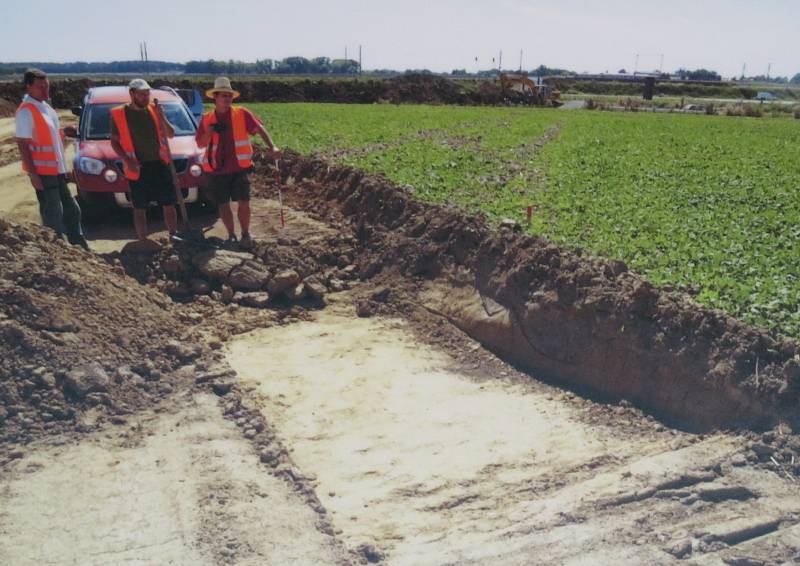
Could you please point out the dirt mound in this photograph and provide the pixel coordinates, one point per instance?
(7, 108)
(417, 89)
(581, 321)
(75, 333)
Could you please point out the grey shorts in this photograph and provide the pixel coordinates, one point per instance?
(233, 186)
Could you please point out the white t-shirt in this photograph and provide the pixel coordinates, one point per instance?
(24, 127)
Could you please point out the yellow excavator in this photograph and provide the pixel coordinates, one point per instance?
(521, 88)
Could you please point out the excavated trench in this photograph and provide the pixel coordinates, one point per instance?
(382, 381)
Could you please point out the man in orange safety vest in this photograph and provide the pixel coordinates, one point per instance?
(225, 133)
(40, 140)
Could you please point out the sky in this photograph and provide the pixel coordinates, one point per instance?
(440, 35)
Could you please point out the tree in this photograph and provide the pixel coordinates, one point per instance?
(795, 80)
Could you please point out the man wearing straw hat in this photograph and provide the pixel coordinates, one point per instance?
(225, 133)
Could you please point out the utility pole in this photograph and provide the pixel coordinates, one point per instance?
(359, 60)
(769, 68)
(500, 64)
(520, 60)
(661, 64)
(744, 69)
(636, 65)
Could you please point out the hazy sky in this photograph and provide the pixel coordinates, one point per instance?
(441, 35)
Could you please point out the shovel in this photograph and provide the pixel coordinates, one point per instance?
(186, 233)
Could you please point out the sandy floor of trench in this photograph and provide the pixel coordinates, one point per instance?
(436, 467)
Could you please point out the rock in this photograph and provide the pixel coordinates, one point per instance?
(221, 389)
(372, 554)
(46, 380)
(226, 296)
(365, 309)
(297, 293)
(381, 294)
(172, 265)
(99, 399)
(199, 286)
(218, 264)
(680, 549)
(510, 224)
(86, 379)
(337, 285)
(763, 451)
(3, 414)
(314, 288)
(615, 268)
(255, 300)
(251, 276)
(282, 281)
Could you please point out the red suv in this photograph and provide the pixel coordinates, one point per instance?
(97, 167)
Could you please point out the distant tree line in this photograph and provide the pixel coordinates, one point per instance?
(288, 66)
(93, 68)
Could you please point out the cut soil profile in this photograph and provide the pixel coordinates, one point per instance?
(581, 321)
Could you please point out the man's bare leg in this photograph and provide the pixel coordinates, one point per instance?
(140, 223)
(226, 215)
(170, 218)
(243, 212)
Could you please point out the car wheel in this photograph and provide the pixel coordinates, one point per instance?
(95, 207)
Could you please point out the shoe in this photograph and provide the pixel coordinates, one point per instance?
(230, 243)
(247, 241)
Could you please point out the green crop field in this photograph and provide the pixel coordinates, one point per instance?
(706, 202)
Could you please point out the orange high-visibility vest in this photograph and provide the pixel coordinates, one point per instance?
(125, 139)
(241, 140)
(43, 147)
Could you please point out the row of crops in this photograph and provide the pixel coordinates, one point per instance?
(702, 202)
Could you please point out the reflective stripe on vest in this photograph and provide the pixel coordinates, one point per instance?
(43, 147)
(241, 140)
(126, 141)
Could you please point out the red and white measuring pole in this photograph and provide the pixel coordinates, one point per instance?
(278, 188)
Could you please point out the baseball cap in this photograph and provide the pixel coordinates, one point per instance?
(138, 84)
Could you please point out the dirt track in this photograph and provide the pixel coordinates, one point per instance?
(305, 434)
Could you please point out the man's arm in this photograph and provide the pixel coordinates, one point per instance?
(169, 129)
(203, 136)
(130, 162)
(273, 149)
(27, 159)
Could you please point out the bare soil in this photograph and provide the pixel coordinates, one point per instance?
(379, 381)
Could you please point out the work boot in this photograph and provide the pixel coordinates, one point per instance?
(246, 243)
(231, 243)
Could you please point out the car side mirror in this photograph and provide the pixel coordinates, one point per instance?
(77, 110)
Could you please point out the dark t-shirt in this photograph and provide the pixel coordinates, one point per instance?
(143, 134)
(225, 152)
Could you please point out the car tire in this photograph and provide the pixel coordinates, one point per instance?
(95, 207)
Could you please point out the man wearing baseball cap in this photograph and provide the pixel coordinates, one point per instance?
(136, 136)
(225, 133)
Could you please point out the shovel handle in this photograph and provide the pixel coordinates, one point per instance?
(178, 193)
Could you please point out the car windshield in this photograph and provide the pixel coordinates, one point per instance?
(96, 120)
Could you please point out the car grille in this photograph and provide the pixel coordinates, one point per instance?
(181, 164)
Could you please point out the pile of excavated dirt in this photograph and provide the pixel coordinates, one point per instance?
(7, 108)
(77, 333)
(580, 321)
(417, 89)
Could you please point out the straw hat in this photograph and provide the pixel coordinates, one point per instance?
(222, 84)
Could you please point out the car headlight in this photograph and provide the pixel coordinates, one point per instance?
(91, 166)
(195, 170)
(110, 175)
